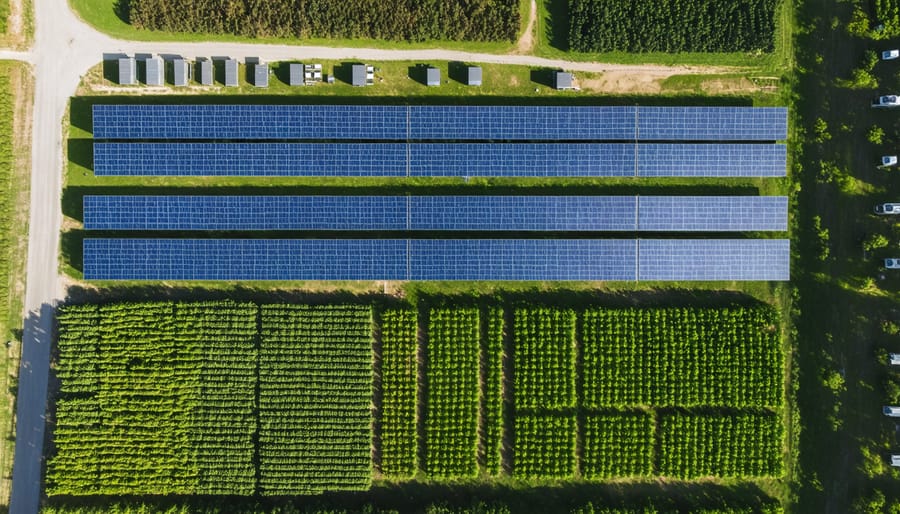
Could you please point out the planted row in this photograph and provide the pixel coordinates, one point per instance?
(399, 386)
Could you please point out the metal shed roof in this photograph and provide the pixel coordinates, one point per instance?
(261, 75)
(473, 75)
(295, 74)
(231, 72)
(180, 72)
(433, 76)
(206, 72)
(155, 71)
(126, 71)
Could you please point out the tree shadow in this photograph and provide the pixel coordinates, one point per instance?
(557, 24)
(122, 9)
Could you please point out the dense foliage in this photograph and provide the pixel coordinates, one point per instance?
(742, 445)
(545, 447)
(618, 445)
(399, 384)
(671, 25)
(315, 394)
(887, 12)
(409, 20)
(451, 414)
(492, 368)
(544, 358)
(155, 398)
(682, 357)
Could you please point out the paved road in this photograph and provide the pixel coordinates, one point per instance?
(64, 49)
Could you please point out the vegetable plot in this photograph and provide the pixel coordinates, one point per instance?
(451, 415)
(544, 358)
(399, 383)
(545, 447)
(618, 445)
(315, 394)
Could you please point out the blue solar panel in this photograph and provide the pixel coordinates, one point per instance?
(194, 122)
(522, 259)
(245, 212)
(712, 213)
(711, 123)
(244, 259)
(467, 122)
(711, 160)
(521, 160)
(252, 159)
(714, 259)
(524, 213)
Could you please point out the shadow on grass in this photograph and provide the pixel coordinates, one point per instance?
(557, 24)
(544, 76)
(417, 497)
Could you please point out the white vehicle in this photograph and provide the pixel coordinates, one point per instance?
(886, 101)
(892, 263)
(894, 358)
(891, 411)
(889, 55)
(887, 208)
(888, 160)
(895, 460)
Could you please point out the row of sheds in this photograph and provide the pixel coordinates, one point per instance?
(183, 71)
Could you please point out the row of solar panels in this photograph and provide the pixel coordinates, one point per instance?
(441, 159)
(456, 122)
(429, 259)
(438, 213)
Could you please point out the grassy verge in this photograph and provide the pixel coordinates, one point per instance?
(847, 311)
(16, 24)
(551, 40)
(15, 166)
(101, 14)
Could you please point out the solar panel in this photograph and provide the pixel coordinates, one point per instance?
(244, 259)
(251, 159)
(711, 160)
(430, 259)
(245, 212)
(711, 123)
(192, 122)
(522, 259)
(521, 160)
(712, 213)
(714, 259)
(523, 213)
(467, 122)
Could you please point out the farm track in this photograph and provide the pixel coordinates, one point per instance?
(64, 49)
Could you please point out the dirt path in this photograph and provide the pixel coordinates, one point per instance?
(526, 42)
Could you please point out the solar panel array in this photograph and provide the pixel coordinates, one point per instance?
(714, 259)
(447, 122)
(402, 259)
(193, 122)
(440, 159)
(251, 159)
(438, 213)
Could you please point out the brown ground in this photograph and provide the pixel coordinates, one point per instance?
(526, 42)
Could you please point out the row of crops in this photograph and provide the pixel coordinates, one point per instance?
(226, 398)
(672, 25)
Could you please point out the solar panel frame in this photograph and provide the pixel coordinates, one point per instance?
(523, 213)
(245, 213)
(714, 260)
(521, 160)
(251, 159)
(712, 213)
(711, 123)
(522, 259)
(711, 160)
(244, 259)
(247, 122)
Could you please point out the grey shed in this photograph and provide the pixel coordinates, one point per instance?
(473, 75)
(358, 75)
(155, 71)
(180, 72)
(206, 72)
(231, 72)
(564, 80)
(432, 76)
(261, 75)
(295, 74)
(126, 71)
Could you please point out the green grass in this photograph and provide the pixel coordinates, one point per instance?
(101, 14)
(16, 88)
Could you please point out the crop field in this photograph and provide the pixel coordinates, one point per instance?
(399, 21)
(190, 384)
(672, 25)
